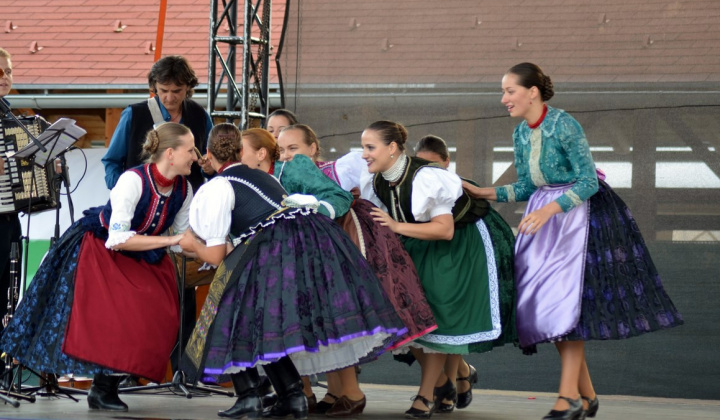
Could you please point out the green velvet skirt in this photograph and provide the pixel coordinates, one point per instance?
(468, 282)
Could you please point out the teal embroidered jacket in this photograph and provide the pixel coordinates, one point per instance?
(555, 153)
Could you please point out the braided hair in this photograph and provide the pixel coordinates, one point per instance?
(164, 136)
(224, 142)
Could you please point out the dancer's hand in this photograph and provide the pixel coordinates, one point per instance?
(174, 239)
(384, 219)
(474, 191)
(532, 222)
(188, 242)
(204, 163)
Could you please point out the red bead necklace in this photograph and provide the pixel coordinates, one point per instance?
(160, 180)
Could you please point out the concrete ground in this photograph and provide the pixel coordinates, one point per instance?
(384, 402)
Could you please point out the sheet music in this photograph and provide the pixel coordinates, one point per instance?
(62, 134)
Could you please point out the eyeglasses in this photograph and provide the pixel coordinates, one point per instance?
(4, 72)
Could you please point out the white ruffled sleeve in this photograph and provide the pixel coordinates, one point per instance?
(350, 169)
(123, 199)
(211, 211)
(368, 192)
(435, 191)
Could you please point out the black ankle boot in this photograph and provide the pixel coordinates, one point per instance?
(246, 385)
(268, 396)
(575, 412)
(103, 394)
(289, 387)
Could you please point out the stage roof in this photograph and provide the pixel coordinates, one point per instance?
(98, 42)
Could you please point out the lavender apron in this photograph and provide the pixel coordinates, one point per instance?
(549, 270)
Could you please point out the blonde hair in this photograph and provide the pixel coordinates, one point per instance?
(165, 136)
(4, 53)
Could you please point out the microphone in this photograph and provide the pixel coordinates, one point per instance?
(62, 170)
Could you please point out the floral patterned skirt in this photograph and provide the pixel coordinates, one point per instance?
(622, 295)
(298, 287)
(394, 268)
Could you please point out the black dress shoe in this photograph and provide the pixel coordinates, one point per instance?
(103, 394)
(287, 383)
(593, 406)
(416, 413)
(248, 404)
(465, 398)
(575, 412)
(268, 399)
(445, 392)
(323, 406)
(294, 404)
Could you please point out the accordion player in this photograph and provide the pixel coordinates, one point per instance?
(24, 187)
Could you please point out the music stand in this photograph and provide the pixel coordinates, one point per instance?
(179, 381)
(60, 136)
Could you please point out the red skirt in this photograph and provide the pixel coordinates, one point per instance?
(125, 312)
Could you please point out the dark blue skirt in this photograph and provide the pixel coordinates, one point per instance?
(37, 332)
(623, 295)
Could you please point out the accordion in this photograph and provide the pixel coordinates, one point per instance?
(24, 187)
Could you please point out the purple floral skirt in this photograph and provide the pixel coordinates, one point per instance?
(621, 295)
(298, 288)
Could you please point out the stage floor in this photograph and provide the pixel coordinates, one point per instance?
(384, 402)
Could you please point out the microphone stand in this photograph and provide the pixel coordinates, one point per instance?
(61, 177)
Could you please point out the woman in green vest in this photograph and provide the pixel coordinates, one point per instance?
(435, 149)
(451, 247)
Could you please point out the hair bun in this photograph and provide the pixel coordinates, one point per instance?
(403, 133)
(154, 142)
(548, 90)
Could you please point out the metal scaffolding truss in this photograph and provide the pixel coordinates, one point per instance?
(247, 98)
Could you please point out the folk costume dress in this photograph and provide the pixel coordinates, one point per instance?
(294, 285)
(378, 244)
(459, 276)
(90, 309)
(587, 273)
(503, 242)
